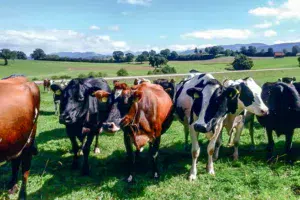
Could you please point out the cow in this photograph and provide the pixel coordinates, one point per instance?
(144, 113)
(83, 115)
(284, 114)
(249, 101)
(47, 83)
(18, 123)
(287, 80)
(138, 81)
(169, 86)
(57, 91)
(192, 73)
(202, 104)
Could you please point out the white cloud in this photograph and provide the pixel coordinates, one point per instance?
(286, 41)
(287, 10)
(178, 47)
(219, 34)
(271, 3)
(263, 25)
(136, 2)
(94, 27)
(163, 37)
(59, 40)
(270, 33)
(114, 28)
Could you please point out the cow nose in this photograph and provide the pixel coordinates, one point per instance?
(200, 128)
(107, 126)
(64, 119)
(264, 112)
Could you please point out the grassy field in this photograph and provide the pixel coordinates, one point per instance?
(46, 69)
(249, 178)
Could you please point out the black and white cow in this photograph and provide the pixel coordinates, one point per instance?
(249, 101)
(202, 104)
(83, 115)
(57, 91)
(283, 101)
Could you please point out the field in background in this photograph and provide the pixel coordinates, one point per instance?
(46, 69)
(249, 178)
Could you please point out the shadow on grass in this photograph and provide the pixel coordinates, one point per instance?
(47, 113)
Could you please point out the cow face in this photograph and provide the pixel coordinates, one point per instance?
(250, 96)
(122, 100)
(210, 106)
(74, 102)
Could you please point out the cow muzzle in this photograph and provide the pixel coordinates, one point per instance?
(200, 128)
(110, 127)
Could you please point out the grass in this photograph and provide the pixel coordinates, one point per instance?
(249, 178)
(46, 69)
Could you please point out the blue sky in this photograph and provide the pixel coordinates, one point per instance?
(107, 25)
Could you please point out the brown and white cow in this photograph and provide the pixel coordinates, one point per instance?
(144, 112)
(18, 117)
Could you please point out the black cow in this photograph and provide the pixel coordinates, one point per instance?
(287, 80)
(284, 114)
(83, 114)
(169, 86)
(57, 91)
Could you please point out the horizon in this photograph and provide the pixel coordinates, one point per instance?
(138, 25)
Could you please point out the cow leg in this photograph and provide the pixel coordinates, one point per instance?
(97, 149)
(195, 153)
(130, 157)
(270, 146)
(26, 163)
(75, 149)
(288, 145)
(55, 108)
(154, 157)
(15, 164)
(251, 131)
(186, 137)
(236, 140)
(218, 146)
(211, 149)
(86, 153)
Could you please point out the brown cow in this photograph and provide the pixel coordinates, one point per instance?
(144, 112)
(18, 117)
(47, 84)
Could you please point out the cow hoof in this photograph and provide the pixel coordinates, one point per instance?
(192, 177)
(210, 170)
(97, 150)
(156, 176)
(14, 189)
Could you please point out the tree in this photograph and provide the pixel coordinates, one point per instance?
(242, 62)
(21, 55)
(5, 54)
(207, 49)
(118, 56)
(157, 60)
(227, 52)
(152, 53)
(215, 50)
(141, 58)
(122, 72)
(200, 51)
(165, 53)
(244, 50)
(196, 50)
(129, 57)
(252, 50)
(284, 51)
(38, 54)
(295, 50)
(173, 55)
(146, 54)
(270, 52)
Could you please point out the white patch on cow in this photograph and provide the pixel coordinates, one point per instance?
(118, 93)
(141, 149)
(207, 93)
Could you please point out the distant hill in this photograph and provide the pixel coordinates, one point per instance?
(259, 47)
(80, 55)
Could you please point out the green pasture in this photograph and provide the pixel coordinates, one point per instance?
(46, 69)
(249, 178)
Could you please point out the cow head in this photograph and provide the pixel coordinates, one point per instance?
(287, 80)
(250, 95)
(211, 103)
(122, 99)
(76, 99)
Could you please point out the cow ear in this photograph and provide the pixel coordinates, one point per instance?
(232, 92)
(294, 78)
(172, 81)
(137, 95)
(280, 80)
(101, 95)
(195, 93)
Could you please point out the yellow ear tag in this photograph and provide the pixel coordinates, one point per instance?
(196, 95)
(237, 92)
(58, 92)
(104, 99)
